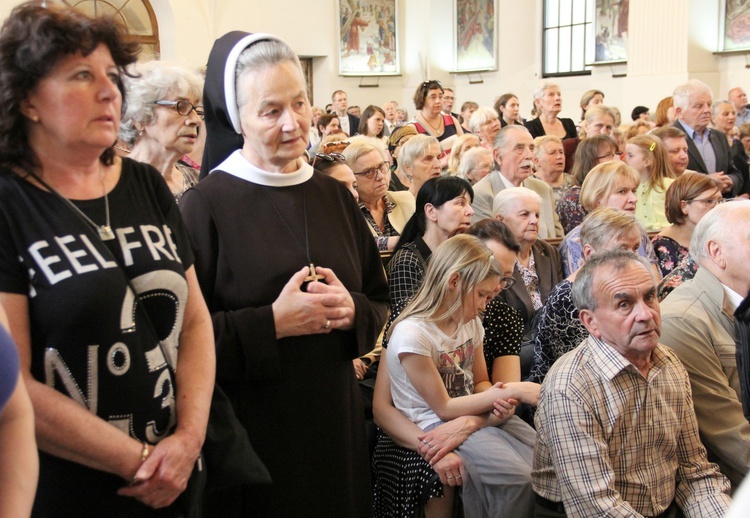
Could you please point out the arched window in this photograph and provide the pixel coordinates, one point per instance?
(137, 15)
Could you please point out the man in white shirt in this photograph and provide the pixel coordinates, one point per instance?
(349, 123)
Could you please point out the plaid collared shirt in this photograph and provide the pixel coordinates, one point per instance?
(612, 442)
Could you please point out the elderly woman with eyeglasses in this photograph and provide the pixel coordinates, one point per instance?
(386, 212)
(162, 119)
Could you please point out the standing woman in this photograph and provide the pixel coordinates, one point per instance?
(508, 109)
(548, 104)
(430, 120)
(96, 277)
(372, 123)
(162, 119)
(266, 229)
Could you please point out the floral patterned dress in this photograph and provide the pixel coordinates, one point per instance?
(669, 253)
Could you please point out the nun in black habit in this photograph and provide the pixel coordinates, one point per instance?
(293, 280)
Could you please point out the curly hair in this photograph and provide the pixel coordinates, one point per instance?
(33, 40)
(151, 81)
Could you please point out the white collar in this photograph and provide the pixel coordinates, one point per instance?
(237, 165)
(734, 298)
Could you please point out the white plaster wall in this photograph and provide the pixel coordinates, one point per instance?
(670, 41)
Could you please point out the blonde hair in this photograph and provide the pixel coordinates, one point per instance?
(465, 255)
(460, 146)
(655, 150)
(602, 181)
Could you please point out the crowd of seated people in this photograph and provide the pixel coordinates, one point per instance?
(442, 314)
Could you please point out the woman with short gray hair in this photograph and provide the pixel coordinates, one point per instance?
(162, 119)
(538, 265)
(485, 123)
(547, 105)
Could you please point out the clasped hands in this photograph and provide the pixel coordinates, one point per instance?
(164, 475)
(325, 306)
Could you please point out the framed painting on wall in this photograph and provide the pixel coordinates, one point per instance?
(368, 45)
(611, 31)
(474, 30)
(735, 26)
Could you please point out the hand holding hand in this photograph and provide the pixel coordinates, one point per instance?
(360, 369)
(450, 469)
(321, 309)
(443, 439)
(164, 474)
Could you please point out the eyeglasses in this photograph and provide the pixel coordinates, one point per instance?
(429, 85)
(507, 282)
(710, 203)
(182, 106)
(608, 156)
(329, 157)
(382, 167)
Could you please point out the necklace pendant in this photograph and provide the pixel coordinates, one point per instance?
(106, 233)
(314, 276)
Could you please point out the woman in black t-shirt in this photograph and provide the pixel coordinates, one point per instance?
(96, 276)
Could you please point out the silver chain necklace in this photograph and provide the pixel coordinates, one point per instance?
(105, 231)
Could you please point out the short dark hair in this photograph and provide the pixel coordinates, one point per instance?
(637, 111)
(491, 229)
(33, 40)
(423, 90)
(325, 120)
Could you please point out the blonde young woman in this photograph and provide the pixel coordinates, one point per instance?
(438, 373)
(648, 155)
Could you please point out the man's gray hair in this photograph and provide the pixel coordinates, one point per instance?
(506, 198)
(480, 116)
(682, 94)
(584, 291)
(505, 134)
(718, 225)
(414, 149)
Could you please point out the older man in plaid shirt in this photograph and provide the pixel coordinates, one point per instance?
(617, 434)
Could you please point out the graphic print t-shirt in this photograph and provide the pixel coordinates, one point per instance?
(90, 338)
(453, 358)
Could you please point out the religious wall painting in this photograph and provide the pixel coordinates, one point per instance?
(735, 25)
(368, 45)
(475, 35)
(611, 31)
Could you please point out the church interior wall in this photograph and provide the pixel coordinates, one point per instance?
(670, 41)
